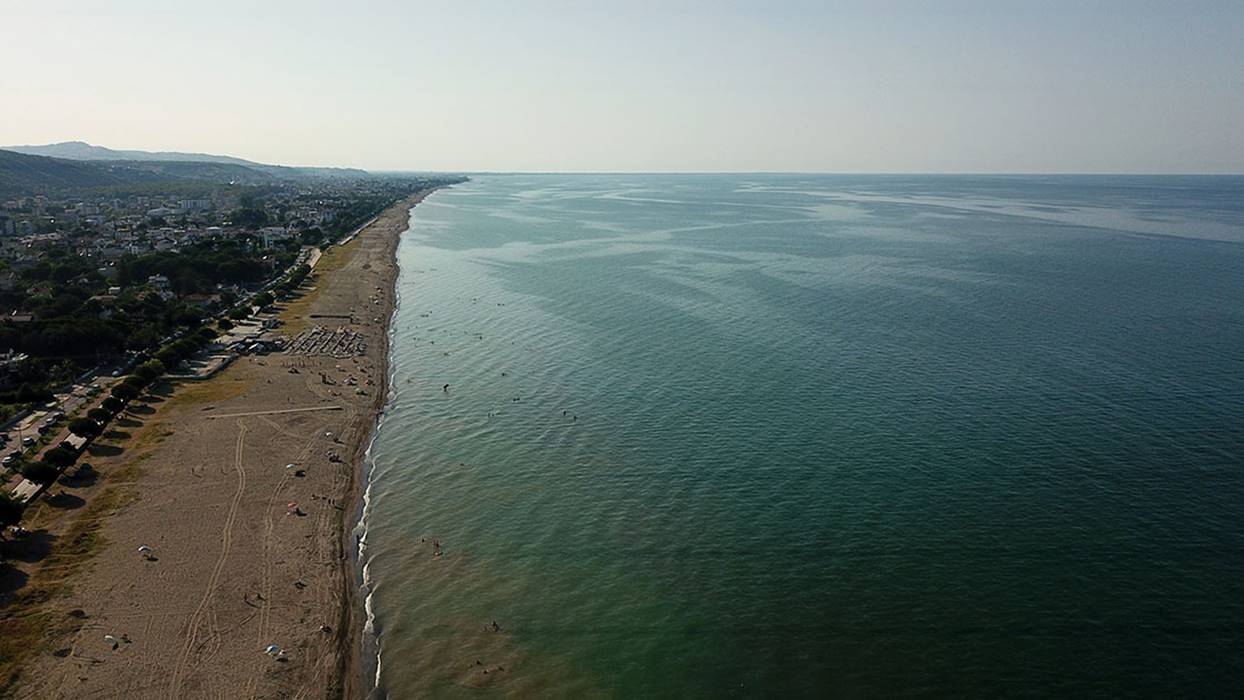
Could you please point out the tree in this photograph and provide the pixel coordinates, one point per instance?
(112, 404)
(239, 313)
(84, 427)
(99, 415)
(263, 299)
(168, 357)
(124, 392)
(155, 366)
(40, 472)
(184, 348)
(206, 334)
(311, 236)
(147, 374)
(59, 457)
(10, 510)
(134, 381)
(252, 218)
(224, 324)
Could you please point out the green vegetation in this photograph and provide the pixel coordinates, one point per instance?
(84, 427)
(10, 510)
(200, 267)
(59, 457)
(40, 472)
(125, 393)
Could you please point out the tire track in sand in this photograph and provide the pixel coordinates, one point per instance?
(226, 540)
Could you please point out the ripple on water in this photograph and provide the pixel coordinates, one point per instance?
(900, 454)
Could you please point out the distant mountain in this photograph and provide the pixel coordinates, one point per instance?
(25, 173)
(82, 151)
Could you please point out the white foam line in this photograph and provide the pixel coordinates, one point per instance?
(361, 529)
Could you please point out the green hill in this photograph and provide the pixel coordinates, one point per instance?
(20, 173)
(172, 162)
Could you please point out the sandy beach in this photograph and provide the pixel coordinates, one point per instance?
(245, 487)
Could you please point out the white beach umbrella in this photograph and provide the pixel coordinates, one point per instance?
(272, 650)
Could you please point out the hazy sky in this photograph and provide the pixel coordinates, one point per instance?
(930, 86)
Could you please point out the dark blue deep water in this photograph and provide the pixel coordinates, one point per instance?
(808, 436)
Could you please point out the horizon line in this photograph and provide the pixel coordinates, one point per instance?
(980, 173)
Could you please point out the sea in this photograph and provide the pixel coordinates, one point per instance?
(788, 436)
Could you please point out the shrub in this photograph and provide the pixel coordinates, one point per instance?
(84, 427)
(40, 472)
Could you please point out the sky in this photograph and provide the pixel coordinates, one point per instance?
(526, 85)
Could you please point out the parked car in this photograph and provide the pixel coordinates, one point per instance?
(28, 442)
(9, 460)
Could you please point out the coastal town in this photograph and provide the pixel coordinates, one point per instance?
(113, 299)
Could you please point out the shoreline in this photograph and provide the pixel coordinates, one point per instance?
(359, 650)
(236, 568)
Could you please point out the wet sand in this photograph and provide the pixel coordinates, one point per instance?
(198, 472)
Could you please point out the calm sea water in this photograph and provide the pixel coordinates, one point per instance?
(797, 436)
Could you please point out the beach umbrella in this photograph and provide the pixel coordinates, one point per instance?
(292, 505)
(290, 466)
(272, 650)
(144, 549)
(111, 640)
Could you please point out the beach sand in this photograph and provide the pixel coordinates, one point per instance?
(198, 472)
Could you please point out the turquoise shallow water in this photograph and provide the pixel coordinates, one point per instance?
(798, 436)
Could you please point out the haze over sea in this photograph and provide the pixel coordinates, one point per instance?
(793, 435)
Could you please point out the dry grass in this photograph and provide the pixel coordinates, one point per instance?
(223, 387)
(40, 622)
(295, 316)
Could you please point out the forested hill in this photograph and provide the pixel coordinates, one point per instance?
(21, 173)
(175, 162)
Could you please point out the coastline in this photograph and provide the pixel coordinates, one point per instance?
(197, 472)
(354, 642)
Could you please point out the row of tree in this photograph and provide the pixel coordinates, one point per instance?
(47, 470)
